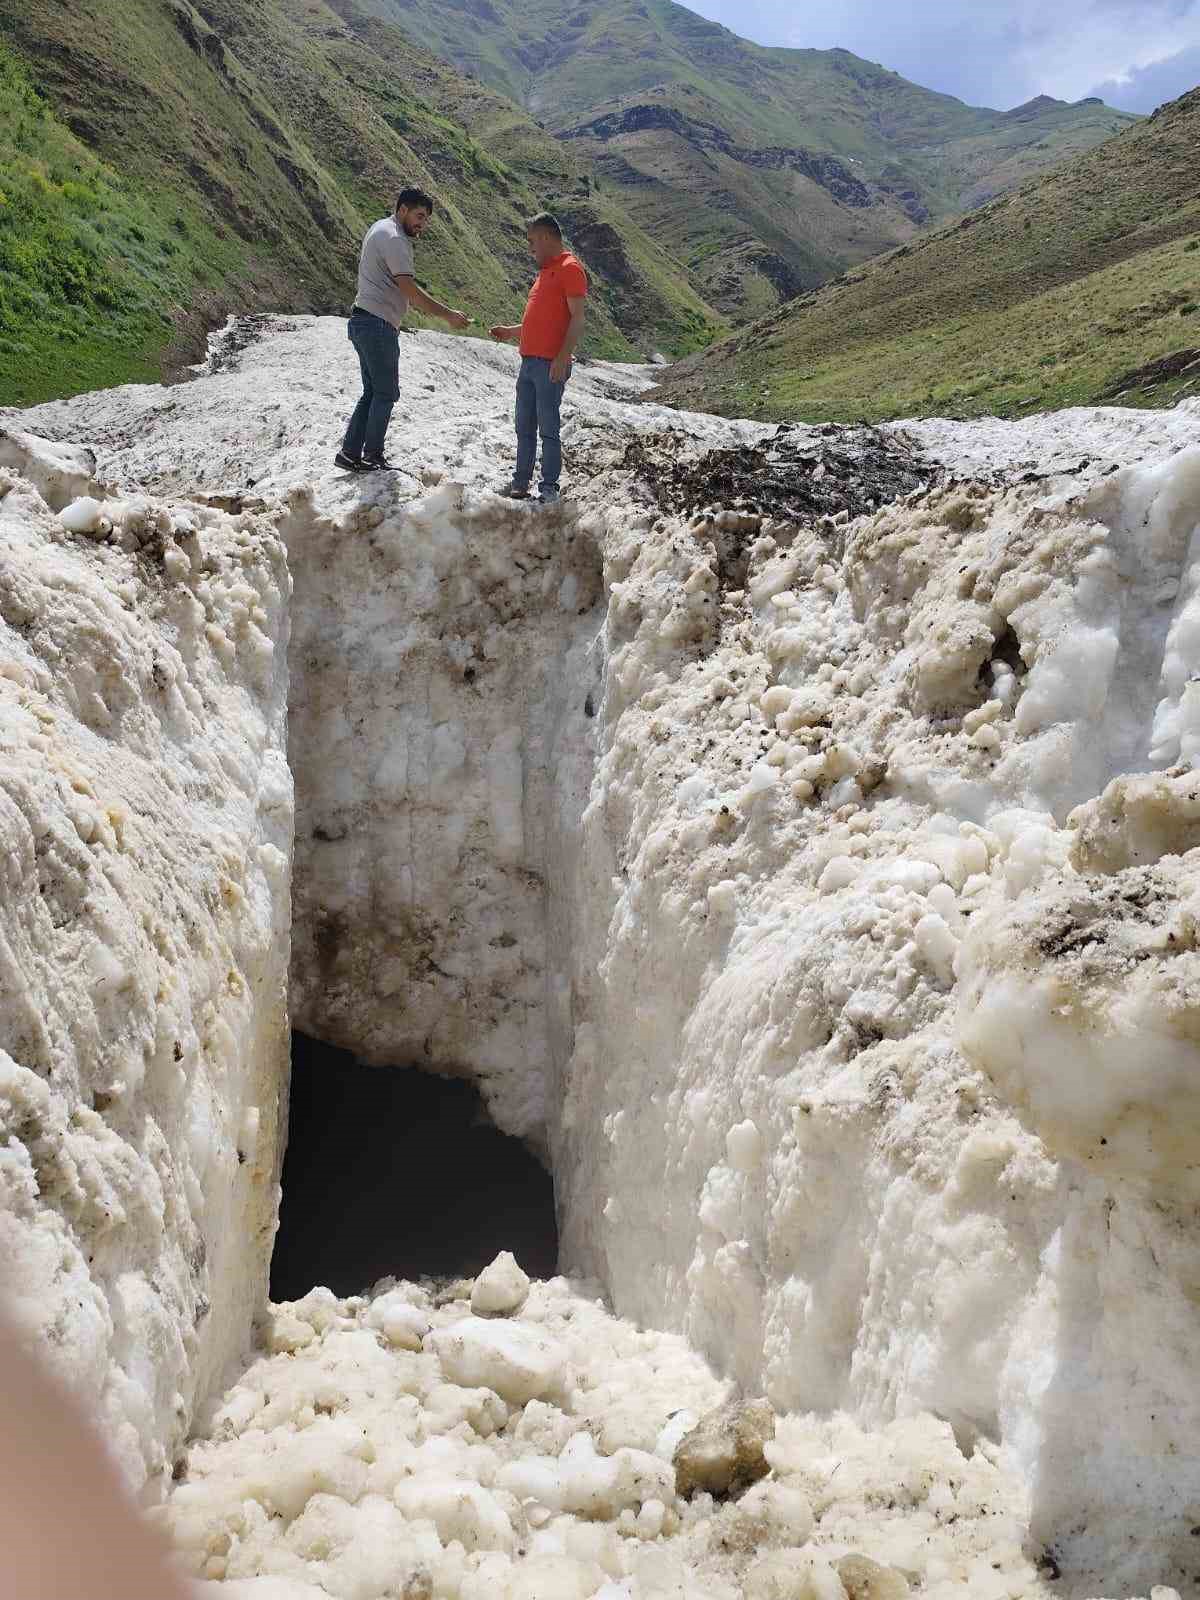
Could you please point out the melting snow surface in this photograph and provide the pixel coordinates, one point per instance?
(821, 899)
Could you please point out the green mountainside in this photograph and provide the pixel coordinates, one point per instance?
(164, 163)
(1082, 287)
(764, 170)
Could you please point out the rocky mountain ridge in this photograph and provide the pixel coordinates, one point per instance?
(673, 110)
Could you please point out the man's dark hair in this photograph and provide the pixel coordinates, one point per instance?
(546, 221)
(415, 197)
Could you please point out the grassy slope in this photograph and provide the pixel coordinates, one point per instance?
(89, 265)
(1053, 296)
(179, 161)
(749, 237)
(751, 230)
(1019, 145)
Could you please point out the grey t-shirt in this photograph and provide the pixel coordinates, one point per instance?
(387, 250)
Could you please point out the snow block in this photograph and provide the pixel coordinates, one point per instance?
(517, 1362)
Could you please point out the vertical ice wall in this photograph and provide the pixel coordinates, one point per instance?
(145, 844)
(430, 712)
(883, 1027)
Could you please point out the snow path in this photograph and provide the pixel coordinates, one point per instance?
(1058, 441)
(270, 419)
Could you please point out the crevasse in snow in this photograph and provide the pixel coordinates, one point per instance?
(823, 912)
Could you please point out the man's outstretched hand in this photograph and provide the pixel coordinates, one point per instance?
(504, 335)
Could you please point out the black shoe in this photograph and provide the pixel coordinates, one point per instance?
(515, 491)
(348, 463)
(378, 464)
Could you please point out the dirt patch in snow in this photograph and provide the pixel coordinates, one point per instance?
(227, 348)
(799, 476)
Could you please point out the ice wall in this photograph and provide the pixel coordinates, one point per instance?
(883, 997)
(429, 713)
(145, 844)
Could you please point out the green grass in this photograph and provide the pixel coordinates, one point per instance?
(1067, 346)
(1047, 298)
(88, 263)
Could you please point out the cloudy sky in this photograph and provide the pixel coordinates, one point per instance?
(1136, 53)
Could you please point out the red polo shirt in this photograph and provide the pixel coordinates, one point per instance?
(547, 316)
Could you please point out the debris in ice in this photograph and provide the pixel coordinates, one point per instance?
(795, 475)
(724, 1452)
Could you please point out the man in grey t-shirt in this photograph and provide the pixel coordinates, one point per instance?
(386, 289)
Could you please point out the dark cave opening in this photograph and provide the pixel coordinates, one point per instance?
(394, 1172)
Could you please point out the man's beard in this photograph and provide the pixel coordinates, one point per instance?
(413, 233)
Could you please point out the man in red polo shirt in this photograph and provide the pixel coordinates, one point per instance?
(548, 334)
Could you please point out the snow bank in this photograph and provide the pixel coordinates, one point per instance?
(882, 1065)
(429, 714)
(61, 473)
(819, 898)
(145, 838)
(1083, 440)
(270, 418)
(444, 676)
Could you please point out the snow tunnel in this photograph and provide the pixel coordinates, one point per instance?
(398, 1172)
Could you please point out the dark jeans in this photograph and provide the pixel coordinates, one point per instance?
(538, 404)
(378, 347)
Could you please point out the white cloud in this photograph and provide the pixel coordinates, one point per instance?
(1147, 87)
(993, 52)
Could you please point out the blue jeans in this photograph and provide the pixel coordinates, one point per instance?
(538, 403)
(378, 347)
